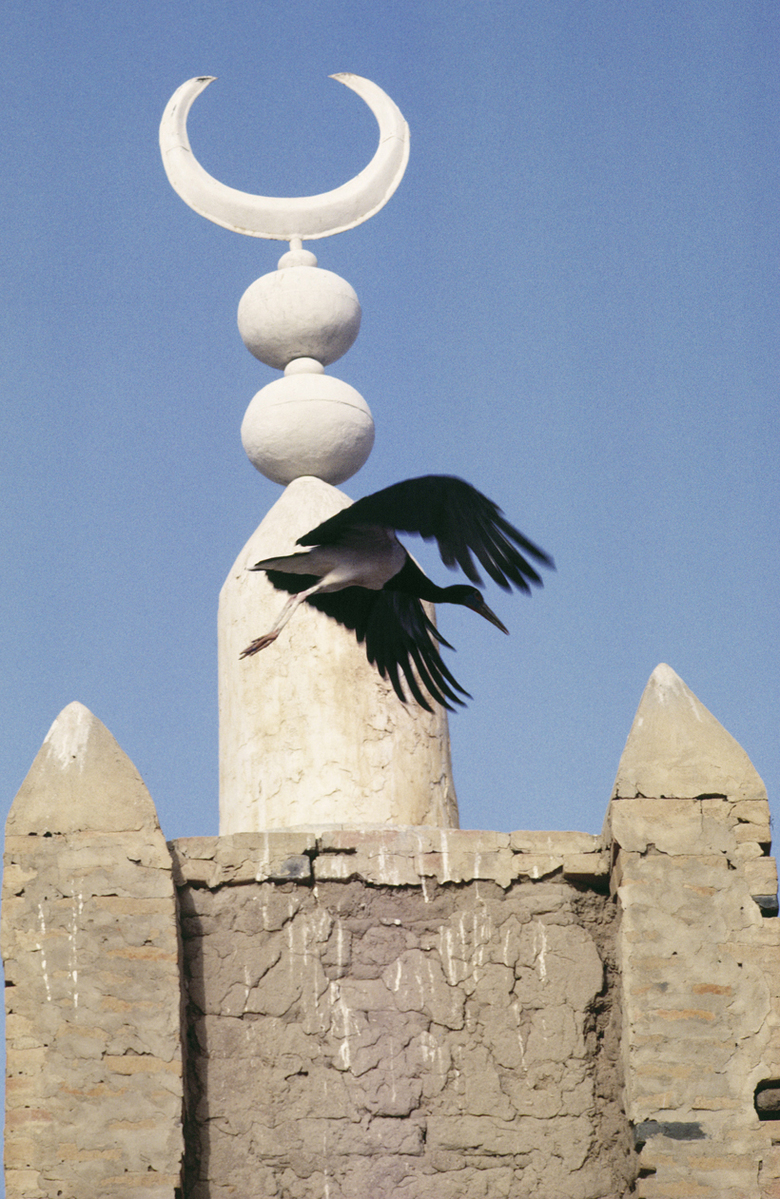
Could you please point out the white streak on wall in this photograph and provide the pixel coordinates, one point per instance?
(262, 866)
(73, 956)
(516, 1009)
(540, 949)
(341, 957)
(343, 1016)
(446, 955)
(419, 862)
(39, 946)
(445, 857)
(505, 949)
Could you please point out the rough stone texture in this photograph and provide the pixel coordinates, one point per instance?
(308, 730)
(699, 964)
(417, 1012)
(677, 748)
(89, 940)
(394, 1022)
(390, 857)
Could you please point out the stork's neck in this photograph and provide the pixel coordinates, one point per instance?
(411, 580)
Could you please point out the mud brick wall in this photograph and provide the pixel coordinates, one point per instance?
(699, 963)
(406, 1012)
(373, 1013)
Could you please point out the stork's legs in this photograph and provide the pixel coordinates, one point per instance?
(257, 644)
(285, 614)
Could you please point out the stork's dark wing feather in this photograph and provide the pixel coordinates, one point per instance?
(400, 639)
(461, 519)
(399, 636)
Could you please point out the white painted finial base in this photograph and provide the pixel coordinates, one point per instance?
(309, 732)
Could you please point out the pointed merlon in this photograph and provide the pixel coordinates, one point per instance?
(81, 781)
(90, 948)
(677, 748)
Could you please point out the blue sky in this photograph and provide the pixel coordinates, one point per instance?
(571, 301)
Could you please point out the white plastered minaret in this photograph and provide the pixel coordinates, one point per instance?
(309, 732)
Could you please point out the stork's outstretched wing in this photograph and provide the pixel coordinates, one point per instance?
(400, 639)
(461, 519)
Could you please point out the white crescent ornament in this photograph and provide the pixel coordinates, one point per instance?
(284, 219)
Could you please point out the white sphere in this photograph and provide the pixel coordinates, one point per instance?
(299, 311)
(308, 423)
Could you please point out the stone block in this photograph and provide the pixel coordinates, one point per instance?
(670, 826)
(23, 1182)
(761, 876)
(464, 865)
(746, 851)
(382, 840)
(752, 811)
(389, 870)
(586, 867)
(555, 844)
(536, 866)
(759, 833)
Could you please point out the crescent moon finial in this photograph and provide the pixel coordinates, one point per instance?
(283, 219)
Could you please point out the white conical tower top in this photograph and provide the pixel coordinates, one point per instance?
(309, 732)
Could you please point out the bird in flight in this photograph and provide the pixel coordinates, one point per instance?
(359, 574)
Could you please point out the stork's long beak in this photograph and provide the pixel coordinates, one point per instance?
(481, 607)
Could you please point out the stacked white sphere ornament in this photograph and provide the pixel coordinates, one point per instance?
(309, 733)
(299, 319)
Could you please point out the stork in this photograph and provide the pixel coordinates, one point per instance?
(358, 573)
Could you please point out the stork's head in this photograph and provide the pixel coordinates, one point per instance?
(469, 597)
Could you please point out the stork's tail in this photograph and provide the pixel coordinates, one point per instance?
(295, 564)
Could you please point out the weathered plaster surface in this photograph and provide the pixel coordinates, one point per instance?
(395, 1021)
